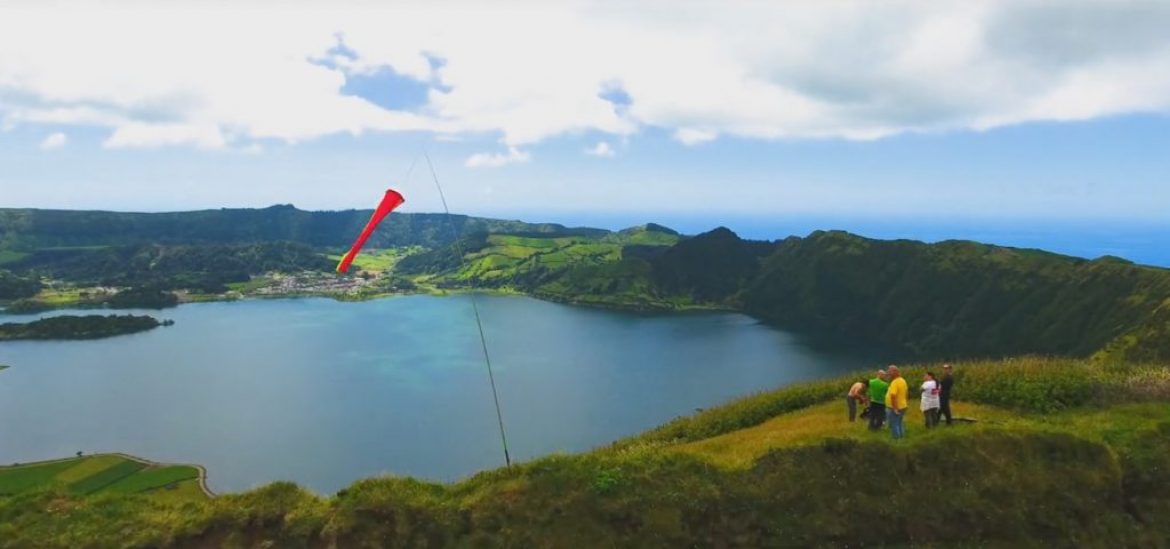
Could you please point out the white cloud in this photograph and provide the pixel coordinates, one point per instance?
(850, 69)
(495, 160)
(54, 141)
(692, 136)
(600, 149)
(207, 136)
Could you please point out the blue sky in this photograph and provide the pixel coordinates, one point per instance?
(952, 121)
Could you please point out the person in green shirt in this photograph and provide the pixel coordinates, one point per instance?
(877, 399)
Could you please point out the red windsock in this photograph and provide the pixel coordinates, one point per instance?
(389, 202)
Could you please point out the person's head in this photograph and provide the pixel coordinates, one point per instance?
(892, 372)
(930, 376)
(946, 369)
(881, 375)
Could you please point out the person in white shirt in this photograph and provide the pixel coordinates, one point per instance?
(930, 400)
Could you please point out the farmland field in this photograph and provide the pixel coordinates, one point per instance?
(101, 474)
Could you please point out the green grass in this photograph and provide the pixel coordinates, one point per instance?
(154, 478)
(10, 256)
(583, 270)
(103, 474)
(87, 467)
(378, 260)
(1035, 385)
(534, 242)
(106, 477)
(254, 284)
(644, 238)
(63, 297)
(21, 478)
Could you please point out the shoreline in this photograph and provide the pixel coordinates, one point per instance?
(186, 299)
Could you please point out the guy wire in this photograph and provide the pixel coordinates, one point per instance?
(475, 307)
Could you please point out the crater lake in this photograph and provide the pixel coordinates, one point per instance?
(324, 393)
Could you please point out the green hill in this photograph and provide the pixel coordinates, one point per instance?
(1062, 450)
(202, 267)
(950, 299)
(961, 298)
(31, 229)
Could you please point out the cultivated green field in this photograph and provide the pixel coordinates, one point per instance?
(378, 260)
(103, 474)
(10, 256)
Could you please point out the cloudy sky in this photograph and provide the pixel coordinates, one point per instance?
(592, 111)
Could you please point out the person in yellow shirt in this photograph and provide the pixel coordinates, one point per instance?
(897, 402)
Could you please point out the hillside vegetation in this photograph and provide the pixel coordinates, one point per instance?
(613, 269)
(207, 268)
(1062, 450)
(962, 298)
(31, 229)
(950, 299)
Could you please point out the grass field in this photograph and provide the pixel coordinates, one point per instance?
(9, 256)
(103, 473)
(812, 425)
(378, 260)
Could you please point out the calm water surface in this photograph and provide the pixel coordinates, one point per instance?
(323, 393)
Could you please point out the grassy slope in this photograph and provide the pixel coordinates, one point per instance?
(377, 260)
(103, 473)
(1063, 450)
(587, 269)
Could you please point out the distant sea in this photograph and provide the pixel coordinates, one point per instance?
(1146, 243)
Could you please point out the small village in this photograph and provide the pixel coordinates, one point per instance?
(310, 282)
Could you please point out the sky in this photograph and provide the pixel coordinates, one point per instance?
(900, 118)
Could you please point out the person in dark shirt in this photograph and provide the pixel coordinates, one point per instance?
(944, 394)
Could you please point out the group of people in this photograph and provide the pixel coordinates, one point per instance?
(886, 398)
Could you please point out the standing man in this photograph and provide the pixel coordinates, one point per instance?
(877, 399)
(897, 402)
(856, 396)
(944, 394)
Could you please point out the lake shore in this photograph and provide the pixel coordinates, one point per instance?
(63, 303)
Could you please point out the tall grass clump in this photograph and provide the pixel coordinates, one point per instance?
(1048, 385)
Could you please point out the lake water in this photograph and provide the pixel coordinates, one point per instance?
(324, 393)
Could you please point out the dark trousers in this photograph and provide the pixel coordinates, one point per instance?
(852, 404)
(931, 417)
(877, 416)
(944, 409)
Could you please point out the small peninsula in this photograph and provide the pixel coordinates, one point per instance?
(79, 327)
